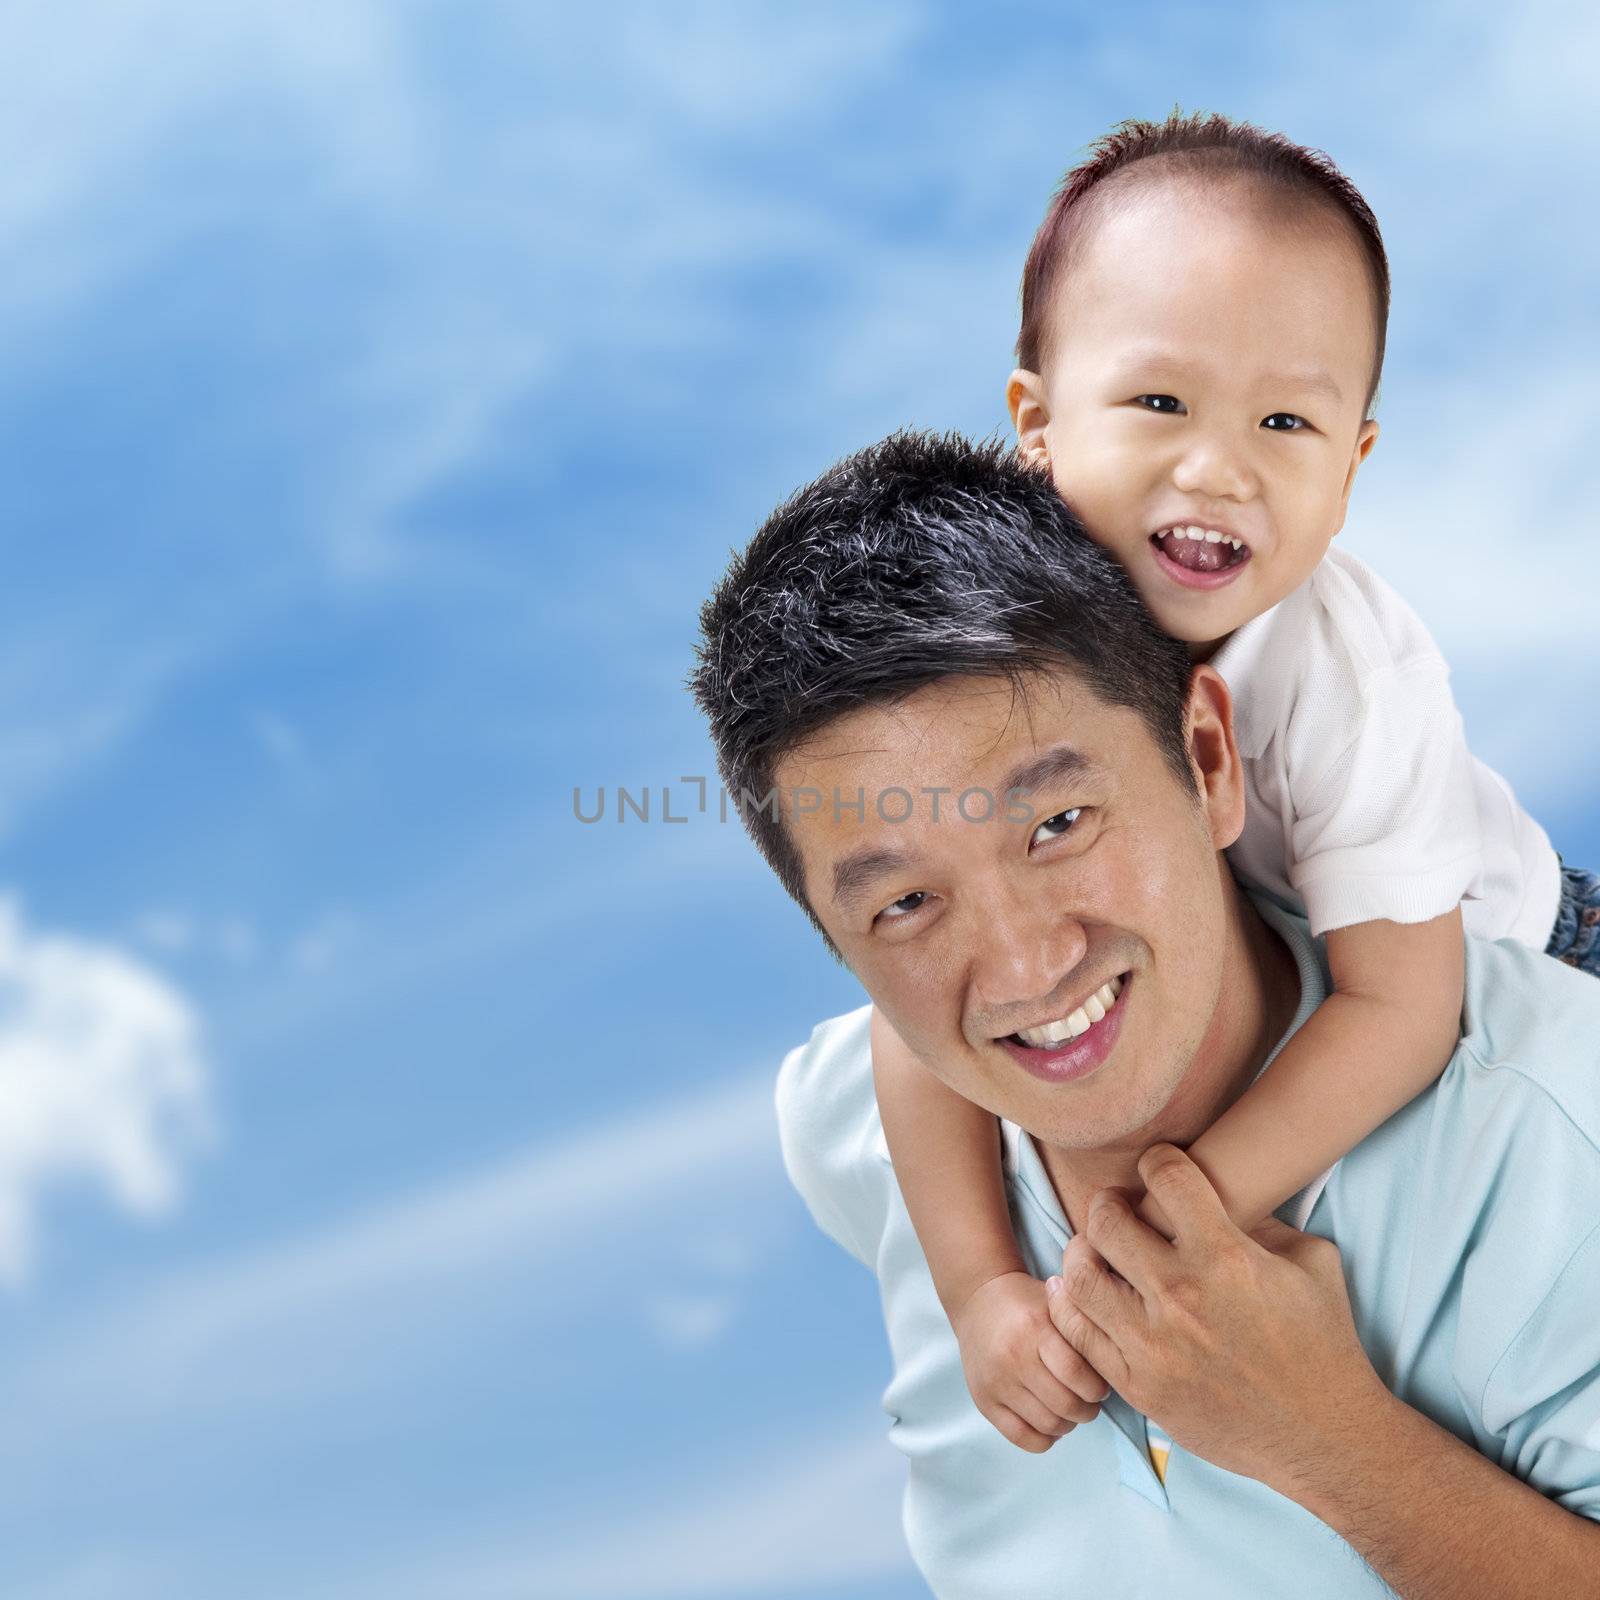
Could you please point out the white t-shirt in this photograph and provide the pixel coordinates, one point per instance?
(1363, 801)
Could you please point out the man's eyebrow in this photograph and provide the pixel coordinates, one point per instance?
(855, 873)
(1060, 764)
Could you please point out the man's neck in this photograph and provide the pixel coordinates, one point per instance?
(1258, 998)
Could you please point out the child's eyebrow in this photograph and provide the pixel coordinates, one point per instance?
(1316, 379)
(1148, 364)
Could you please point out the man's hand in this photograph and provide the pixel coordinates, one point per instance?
(1241, 1346)
(1024, 1377)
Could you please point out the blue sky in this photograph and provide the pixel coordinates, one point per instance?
(389, 1198)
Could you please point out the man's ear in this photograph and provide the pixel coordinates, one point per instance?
(1030, 415)
(1214, 756)
(1365, 440)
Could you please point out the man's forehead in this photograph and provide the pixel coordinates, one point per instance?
(955, 722)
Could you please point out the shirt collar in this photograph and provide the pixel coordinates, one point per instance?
(1255, 714)
(1025, 1165)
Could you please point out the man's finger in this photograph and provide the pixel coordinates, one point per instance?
(1127, 1241)
(1184, 1193)
(1309, 1251)
(1091, 1284)
(1086, 1336)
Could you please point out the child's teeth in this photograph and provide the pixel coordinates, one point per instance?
(1198, 535)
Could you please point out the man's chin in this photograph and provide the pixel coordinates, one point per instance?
(1135, 1122)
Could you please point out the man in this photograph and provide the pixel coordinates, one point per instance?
(1419, 1371)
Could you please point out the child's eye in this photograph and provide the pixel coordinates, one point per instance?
(1167, 404)
(1285, 422)
(1058, 825)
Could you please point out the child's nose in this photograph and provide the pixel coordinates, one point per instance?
(1213, 468)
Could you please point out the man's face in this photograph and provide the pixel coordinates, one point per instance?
(966, 931)
(1208, 370)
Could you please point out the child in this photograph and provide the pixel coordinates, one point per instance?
(1203, 316)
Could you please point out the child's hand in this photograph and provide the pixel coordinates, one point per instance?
(1024, 1377)
(1152, 1213)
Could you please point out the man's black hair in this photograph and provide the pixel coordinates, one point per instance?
(925, 556)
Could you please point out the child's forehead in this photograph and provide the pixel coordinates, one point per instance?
(1226, 255)
(1193, 214)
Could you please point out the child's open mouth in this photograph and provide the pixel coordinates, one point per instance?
(1201, 556)
(1201, 549)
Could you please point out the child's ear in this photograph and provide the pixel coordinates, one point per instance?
(1030, 415)
(1365, 439)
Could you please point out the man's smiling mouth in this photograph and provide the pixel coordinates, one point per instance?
(1048, 1035)
(1201, 549)
(1073, 1046)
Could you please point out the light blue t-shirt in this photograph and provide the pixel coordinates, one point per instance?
(1469, 1226)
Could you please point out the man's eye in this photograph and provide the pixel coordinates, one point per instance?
(1284, 422)
(1054, 827)
(1167, 404)
(904, 906)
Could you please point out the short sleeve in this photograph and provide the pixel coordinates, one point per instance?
(1385, 819)
(1543, 1395)
(830, 1133)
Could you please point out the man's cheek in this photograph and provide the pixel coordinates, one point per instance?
(1126, 877)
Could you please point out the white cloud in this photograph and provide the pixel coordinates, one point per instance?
(1474, 515)
(202, 1339)
(66, 704)
(1474, 511)
(293, 1327)
(97, 91)
(689, 1319)
(175, 933)
(101, 1079)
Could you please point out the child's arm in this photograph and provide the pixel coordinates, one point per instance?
(946, 1154)
(1384, 1034)
(1024, 1377)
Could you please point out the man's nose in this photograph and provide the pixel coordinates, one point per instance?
(1214, 468)
(1024, 953)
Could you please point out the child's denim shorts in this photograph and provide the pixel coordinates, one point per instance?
(1576, 939)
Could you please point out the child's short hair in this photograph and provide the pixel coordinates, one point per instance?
(1202, 146)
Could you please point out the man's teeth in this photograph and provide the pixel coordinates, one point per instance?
(1080, 1021)
(1202, 536)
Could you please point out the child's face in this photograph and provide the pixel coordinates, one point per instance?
(1208, 369)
